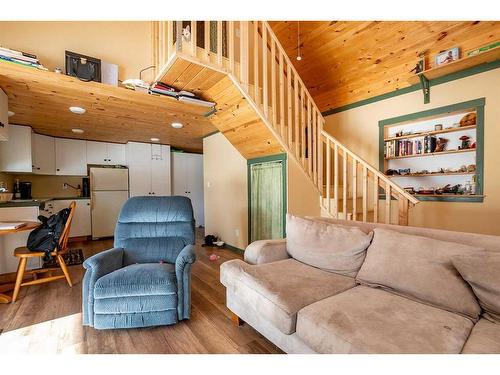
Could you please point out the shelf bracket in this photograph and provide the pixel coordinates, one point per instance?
(426, 89)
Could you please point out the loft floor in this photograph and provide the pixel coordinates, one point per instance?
(47, 318)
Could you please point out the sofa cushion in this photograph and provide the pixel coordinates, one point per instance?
(368, 320)
(482, 271)
(278, 290)
(333, 248)
(137, 280)
(419, 268)
(484, 338)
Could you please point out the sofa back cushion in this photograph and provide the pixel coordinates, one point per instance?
(482, 271)
(333, 248)
(419, 268)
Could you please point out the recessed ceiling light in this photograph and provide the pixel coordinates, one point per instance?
(177, 125)
(10, 113)
(77, 110)
(77, 131)
(155, 139)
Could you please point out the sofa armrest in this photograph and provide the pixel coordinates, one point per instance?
(266, 251)
(97, 266)
(183, 275)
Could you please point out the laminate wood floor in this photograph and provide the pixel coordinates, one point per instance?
(47, 318)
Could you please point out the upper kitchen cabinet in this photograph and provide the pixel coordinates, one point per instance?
(149, 169)
(71, 157)
(187, 181)
(4, 116)
(43, 154)
(15, 154)
(160, 170)
(103, 153)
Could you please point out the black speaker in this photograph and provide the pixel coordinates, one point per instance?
(83, 67)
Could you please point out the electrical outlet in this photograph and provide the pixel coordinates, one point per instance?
(208, 184)
(237, 232)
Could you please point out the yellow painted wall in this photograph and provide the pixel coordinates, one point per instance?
(225, 189)
(303, 198)
(127, 44)
(358, 129)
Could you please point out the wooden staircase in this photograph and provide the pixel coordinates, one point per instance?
(263, 108)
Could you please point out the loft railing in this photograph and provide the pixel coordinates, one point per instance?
(250, 53)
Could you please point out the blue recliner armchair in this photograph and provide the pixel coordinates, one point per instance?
(145, 280)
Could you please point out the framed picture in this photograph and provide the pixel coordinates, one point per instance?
(448, 56)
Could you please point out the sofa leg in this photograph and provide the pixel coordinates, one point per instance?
(236, 319)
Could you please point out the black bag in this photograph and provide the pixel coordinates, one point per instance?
(46, 237)
(83, 67)
(209, 240)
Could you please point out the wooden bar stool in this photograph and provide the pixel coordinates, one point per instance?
(23, 253)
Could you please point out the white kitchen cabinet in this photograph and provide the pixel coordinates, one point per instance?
(80, 225)
(103, 153)
(71, 157)
(43, 154)
(149, 169)
(15, 154)
(4, 116)
(96, 152)
(160, 170)
(187, 181)
(139, 168)
(116, 154)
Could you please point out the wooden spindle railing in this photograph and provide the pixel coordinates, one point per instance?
(251, 54)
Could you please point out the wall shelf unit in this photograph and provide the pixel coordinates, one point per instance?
(425, 77)
(407, 151)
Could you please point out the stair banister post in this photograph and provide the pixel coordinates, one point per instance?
(178, 39)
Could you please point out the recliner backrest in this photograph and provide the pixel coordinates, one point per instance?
(154, 229)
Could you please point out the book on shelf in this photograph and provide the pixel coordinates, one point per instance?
(403, 147)
(163, 89)
(21, 58)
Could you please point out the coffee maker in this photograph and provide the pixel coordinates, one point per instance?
(85, 187)
(25, 189)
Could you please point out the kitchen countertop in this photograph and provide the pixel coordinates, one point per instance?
(35, 202)
(63, 198)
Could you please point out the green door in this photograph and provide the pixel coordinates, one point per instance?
(267, 197)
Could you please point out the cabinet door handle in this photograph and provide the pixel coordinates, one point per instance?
(58, 169)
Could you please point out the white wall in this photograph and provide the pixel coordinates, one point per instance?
(225, 191)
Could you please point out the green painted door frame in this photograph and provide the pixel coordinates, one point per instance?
(265, 159)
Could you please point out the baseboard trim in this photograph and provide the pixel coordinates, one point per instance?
(234, 248)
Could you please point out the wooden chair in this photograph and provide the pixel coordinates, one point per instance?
(23, 253)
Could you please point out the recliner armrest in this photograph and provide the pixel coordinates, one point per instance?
(187, 255)
(97, 266)
(266, 251)
(105, 262)
(183, 274)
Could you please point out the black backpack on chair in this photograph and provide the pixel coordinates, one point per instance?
(46, 237)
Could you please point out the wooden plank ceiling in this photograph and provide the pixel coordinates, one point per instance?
(235, 117)
(41, 100)
(345, 61)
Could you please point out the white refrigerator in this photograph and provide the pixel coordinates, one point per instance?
(108, 194)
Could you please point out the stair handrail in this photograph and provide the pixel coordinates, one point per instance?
(374, 170)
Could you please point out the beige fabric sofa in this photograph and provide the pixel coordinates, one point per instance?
(305, 309)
